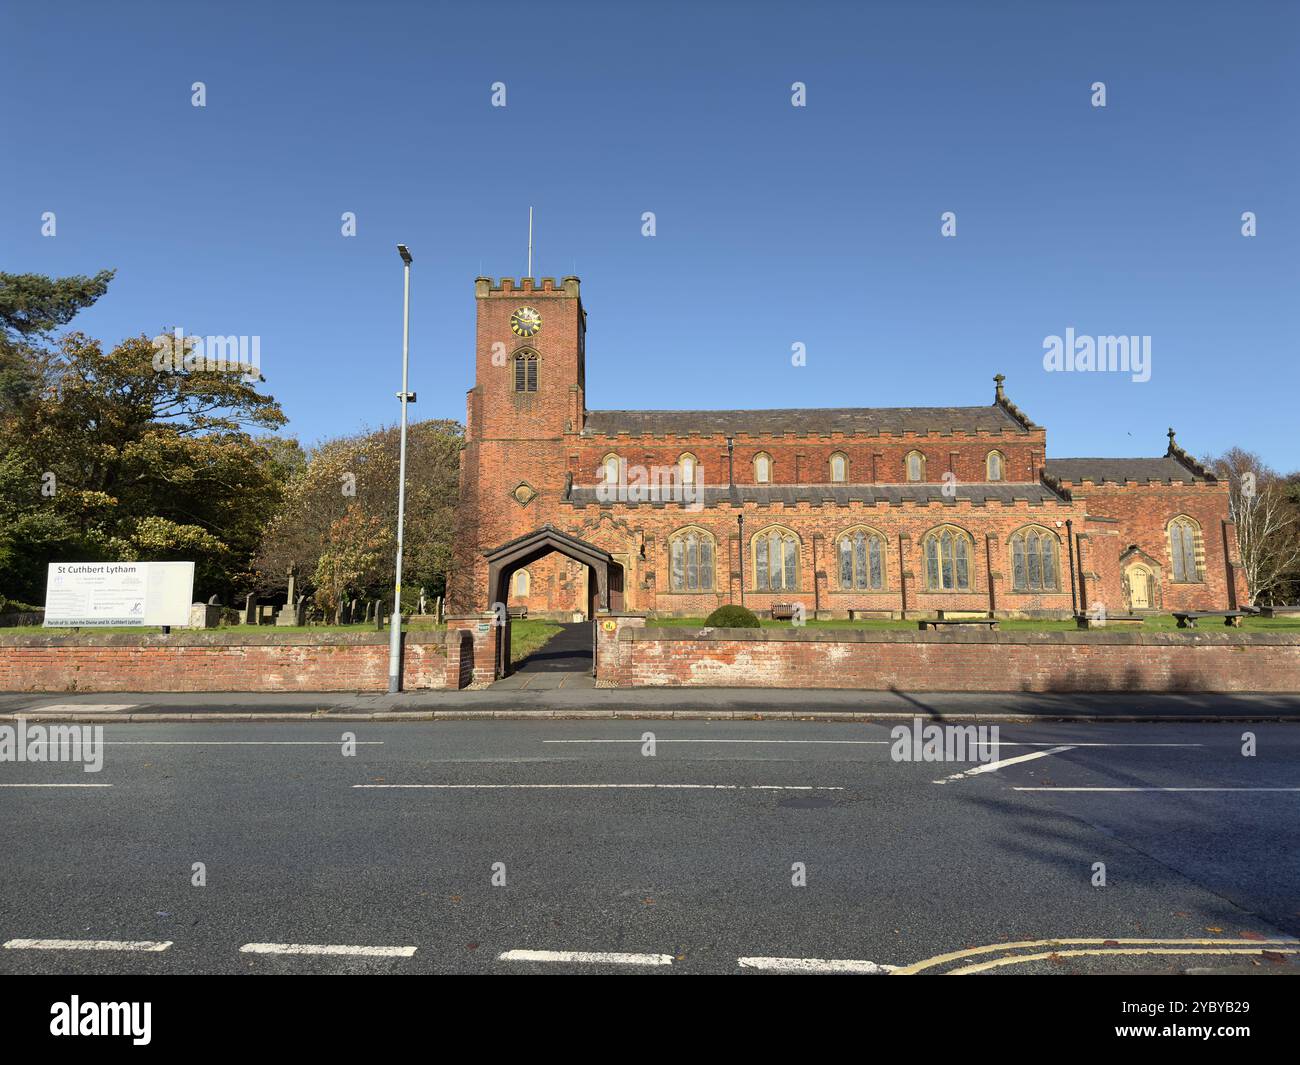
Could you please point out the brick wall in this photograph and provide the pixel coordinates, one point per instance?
(628, 654)
(217, 662)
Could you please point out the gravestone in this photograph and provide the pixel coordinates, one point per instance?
(250, 609)
(204, 616)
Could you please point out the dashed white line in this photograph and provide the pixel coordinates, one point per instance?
(620, 787)
(148, 946)
(241, 743)
(992, 767)
(56, 785)
(814, 965)
(590, 957)
(1154, 789)
(327, 949)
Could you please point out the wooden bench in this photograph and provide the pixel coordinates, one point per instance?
(936, 623)
(784, 611)
(1088, 621)
(1188, 619)
(518, 611)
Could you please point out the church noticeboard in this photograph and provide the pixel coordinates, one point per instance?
(118, 593)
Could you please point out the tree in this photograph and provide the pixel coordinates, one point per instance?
(143, 464)
(1263, 505)
(352, 560)
(357, 475)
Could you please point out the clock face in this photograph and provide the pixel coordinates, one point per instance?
(525, 322)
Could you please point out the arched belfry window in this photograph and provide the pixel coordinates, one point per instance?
(1035, 560)
(691, 553)
(776, 560)
(763, 468)
(860, 554)
(526, 370)
(1185, 550)
(996, 466)
(948, 552)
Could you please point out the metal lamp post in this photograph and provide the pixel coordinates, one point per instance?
(395, 621)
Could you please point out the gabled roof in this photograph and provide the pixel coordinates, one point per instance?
(1097, 470)
(814, 420)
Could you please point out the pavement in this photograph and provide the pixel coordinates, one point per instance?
(651, 704)
(655, 847)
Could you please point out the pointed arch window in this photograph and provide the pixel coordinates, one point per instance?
(861, 557)
(1035, 561)
(688, 466)
(914, 466)
(690, 561)
(996, 466)
(522, 582)
(610, 467)
(1185, 550)
(763, 468)
(948, 551)
(839, 468)
(526, 370)
(776, 561)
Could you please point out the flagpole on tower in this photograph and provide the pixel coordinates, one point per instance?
(530, 242)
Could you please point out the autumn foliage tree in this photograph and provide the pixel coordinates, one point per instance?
(348, 489)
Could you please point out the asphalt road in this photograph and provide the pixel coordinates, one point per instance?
(394, 847)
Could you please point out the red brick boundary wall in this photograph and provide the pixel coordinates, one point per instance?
(214, 661)
(631, 655)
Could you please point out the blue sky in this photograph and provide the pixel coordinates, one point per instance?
(775, 225)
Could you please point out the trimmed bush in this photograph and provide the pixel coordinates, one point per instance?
(732, 617)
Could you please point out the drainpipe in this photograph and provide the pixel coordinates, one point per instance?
(817, 603)
(731, 465)
(740, 523)
(1074, 600)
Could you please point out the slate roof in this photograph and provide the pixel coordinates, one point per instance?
(815, 420)
(832, 495)
(1165, 469)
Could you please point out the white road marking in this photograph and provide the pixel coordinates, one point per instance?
(56, 785)
(83, 708)
(1155, 789)
(150, 946)
(626, 787)
(814, 965)
(327, 949)
(586, 956)
(991, 767)
(240, 743)
(877, 743)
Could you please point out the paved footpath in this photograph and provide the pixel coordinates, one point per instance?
(653, 703)
(725, 847)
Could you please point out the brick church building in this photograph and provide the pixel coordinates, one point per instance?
(854, 511)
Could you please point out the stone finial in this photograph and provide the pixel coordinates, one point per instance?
(1000, 395)
(1172, 444)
